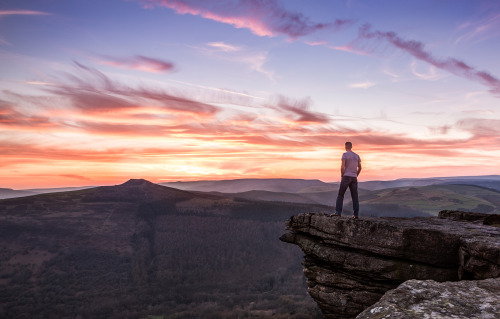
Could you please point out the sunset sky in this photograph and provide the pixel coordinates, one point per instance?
(95, 92)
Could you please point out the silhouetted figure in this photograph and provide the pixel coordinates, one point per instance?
(350, 169)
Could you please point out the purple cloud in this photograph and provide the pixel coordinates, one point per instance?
(416, 49)
(264, 17)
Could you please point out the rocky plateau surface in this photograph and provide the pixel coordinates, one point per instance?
(425, 267)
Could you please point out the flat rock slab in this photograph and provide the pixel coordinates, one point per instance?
(429, 299)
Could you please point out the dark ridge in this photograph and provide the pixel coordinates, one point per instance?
(137, 182)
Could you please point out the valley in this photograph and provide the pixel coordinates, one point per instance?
(139, 249)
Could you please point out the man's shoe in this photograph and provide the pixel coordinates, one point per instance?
(354, 217)
(335, 215)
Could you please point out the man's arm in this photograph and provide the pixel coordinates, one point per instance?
(342, 168)
(359, 167)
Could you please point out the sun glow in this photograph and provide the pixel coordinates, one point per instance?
(258, 89)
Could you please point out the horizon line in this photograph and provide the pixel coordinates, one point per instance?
(252, 178)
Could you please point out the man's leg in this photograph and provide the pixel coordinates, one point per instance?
(353, 188)
(340, 197)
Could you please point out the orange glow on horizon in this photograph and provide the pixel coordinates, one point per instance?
(33, 171)
(93, 130)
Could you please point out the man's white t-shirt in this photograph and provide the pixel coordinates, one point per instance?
(351, 163)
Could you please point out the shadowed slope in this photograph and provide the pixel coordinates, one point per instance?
(140, 249)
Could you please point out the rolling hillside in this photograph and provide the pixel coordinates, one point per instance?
(434, 198)
(488, 181)
(244, 185)
(139, 249)
(323, 196)
(393, 202)
(11, 193)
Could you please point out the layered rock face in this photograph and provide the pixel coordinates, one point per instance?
(350, 264)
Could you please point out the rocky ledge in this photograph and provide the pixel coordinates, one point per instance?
(350, 264)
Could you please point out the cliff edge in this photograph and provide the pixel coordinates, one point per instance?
(350, 264)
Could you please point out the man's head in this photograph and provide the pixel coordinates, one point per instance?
(348, 145)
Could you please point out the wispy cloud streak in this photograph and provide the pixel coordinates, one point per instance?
(362, 85)
(298, 111)
(254, 60)
(481, 29)
(416, 49)
(140, 63)
(6, 13)
(92, 120)
(224, 46)
(94, 91)
(269, 18)
(21, 12)
(263, 17)
(88, 97)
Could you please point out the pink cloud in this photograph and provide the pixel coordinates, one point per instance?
(140, 63)
(264, 18)
(482, 128)
(98, 96)
(74, 176)
(93, 101)
(93, 91)
(170, 129)
(351, 48)
(316, 43)
(484, 28)
(452, 65)
(146, 112)
(224, 46)
(21, 12)
(14, 119)
(298, 111)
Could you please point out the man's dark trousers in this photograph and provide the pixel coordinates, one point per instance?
(352, 183)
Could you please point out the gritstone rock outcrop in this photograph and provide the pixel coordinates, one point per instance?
(350, 264)
(418, 299)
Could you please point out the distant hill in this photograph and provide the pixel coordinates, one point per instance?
(434, 198)
(272, 197)
(245, 185)
(489, 181)
(492, 184)
(397, 201)
(405, 182)
(324, 197)
(310, 186)
(56, 189)
(283, 185)
(11, 193)
(140, 249)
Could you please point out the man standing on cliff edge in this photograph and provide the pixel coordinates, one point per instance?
(350, 169)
